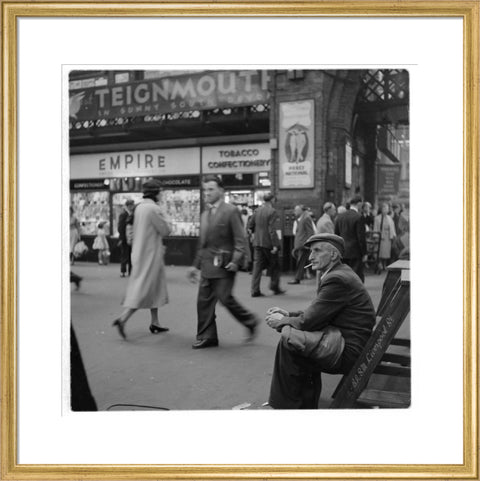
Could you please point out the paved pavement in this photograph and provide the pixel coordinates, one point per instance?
(162, 370)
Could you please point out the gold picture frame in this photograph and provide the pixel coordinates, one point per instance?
(467, 10)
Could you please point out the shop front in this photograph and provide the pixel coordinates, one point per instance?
(245, 170)
(102, 182)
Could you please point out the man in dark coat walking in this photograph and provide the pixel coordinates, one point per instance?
(327, 337)
(126, 248)
(351, 228)
(220, 254)
(305, 229)
(264, 224)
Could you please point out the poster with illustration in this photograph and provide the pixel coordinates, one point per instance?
(296, 144)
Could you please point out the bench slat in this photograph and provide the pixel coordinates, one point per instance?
(385, 399)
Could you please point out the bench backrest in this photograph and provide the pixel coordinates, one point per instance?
(394, 314)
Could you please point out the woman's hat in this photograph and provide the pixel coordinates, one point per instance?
(151, 187)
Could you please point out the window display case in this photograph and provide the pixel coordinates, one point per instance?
(245, 197)
(90, 208)
(183, 208)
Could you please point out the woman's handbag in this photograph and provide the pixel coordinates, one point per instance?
(80, 249)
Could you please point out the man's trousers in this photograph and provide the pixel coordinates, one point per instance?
(296, 381)
(209, 292)
(126, 259)
(263, 259)
(302, 260)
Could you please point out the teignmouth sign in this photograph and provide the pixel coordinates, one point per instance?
(193, 91)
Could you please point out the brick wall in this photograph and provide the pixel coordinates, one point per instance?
(334, 93)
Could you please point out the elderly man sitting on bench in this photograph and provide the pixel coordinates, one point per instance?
(328, 336)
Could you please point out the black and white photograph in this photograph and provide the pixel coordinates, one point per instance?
(239, 239)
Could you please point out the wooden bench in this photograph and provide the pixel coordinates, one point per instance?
(393, 274)
(351, 391)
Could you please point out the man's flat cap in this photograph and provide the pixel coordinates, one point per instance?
(332, 239)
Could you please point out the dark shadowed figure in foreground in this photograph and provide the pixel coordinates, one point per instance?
(81, 396)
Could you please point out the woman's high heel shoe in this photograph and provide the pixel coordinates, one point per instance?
(120, 326)
(154, 329)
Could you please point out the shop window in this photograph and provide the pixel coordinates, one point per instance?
(183, 208)
(91, 208)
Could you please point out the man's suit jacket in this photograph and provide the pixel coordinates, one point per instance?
(264, 224)
(122, 224)
(325, 225)
(222, 237)
(342, 302)
(350, 226)
(304, 230)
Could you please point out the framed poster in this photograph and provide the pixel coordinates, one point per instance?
(39, 441)
(296, 139)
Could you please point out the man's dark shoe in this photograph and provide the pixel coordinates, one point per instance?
(203, 343)
(294, 282)
(278, 292)
(258, 294)
(253, 330)
(78, 281)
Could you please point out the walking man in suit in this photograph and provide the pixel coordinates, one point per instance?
(351, 228)
(266, 245)
(221, 251)
(304, 231)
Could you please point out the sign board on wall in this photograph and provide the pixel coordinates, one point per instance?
(388, 179)
(191, 91)
(238, 158)
(131, 163)
(348, 165)
(296, 145)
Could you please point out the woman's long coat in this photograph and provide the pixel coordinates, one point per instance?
(147, 286)
(387, 234)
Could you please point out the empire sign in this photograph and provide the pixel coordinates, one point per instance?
(200, 91)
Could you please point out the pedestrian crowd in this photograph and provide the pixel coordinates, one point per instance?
(327, 336)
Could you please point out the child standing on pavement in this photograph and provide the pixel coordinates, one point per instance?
(101, 243)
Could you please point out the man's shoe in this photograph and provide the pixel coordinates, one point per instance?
(258, 294)
(278, 292)
(294, 282)
(203, 343)
(253, 330)
(78, 281)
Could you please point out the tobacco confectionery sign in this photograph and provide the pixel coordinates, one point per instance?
(131, 163)
(237, 158)
(193, 91)
(296, 145)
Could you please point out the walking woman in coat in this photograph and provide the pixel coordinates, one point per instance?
(384, 224)
(147, 285)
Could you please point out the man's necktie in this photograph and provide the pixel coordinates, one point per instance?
(210, 215)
